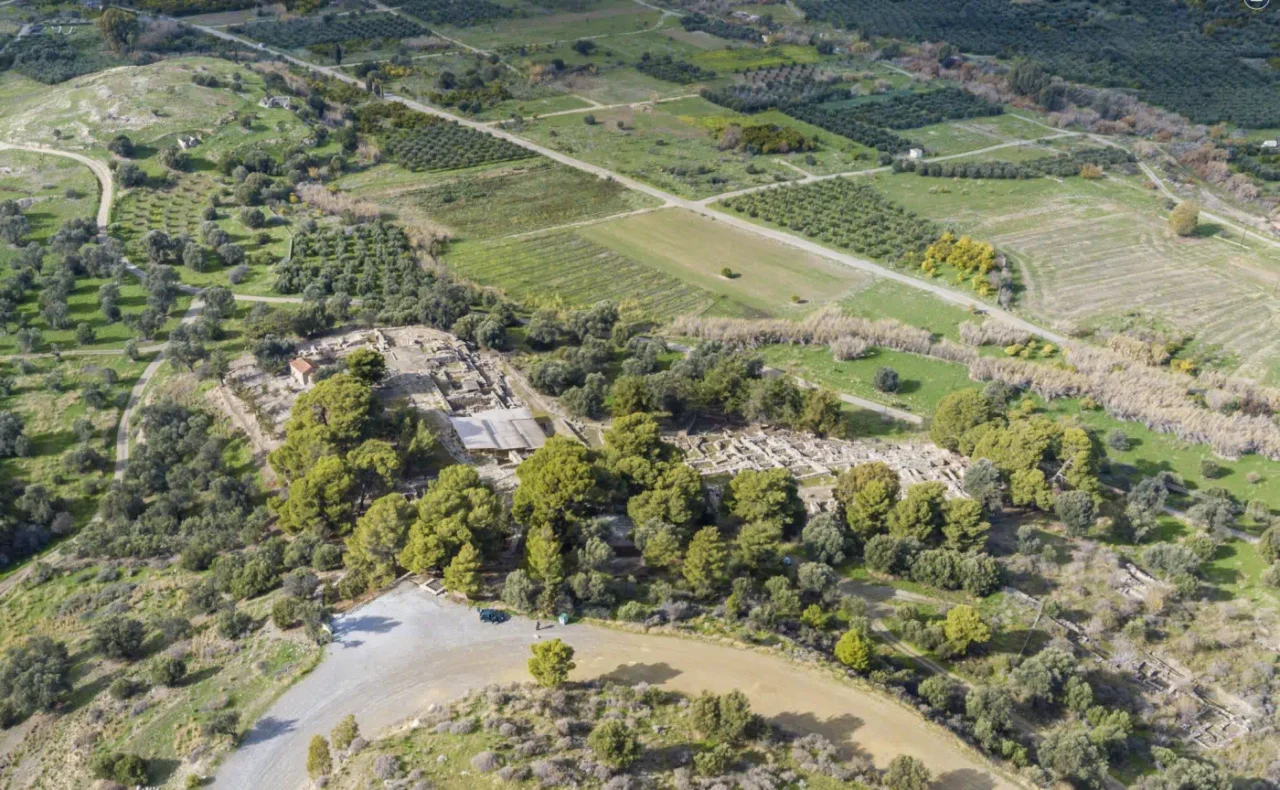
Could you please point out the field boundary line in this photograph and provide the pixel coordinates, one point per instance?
(581, 223)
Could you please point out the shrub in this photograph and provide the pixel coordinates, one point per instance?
(907, 773)
(854, 651)
(614, 743)
(886, 379)
(168, 671)
(1184, 217)
(1076, 510)
(118, 637)
(551, 662)
(1118, 440)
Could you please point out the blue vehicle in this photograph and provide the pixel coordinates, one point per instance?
(494, 616)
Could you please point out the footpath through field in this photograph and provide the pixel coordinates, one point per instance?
(406, 650)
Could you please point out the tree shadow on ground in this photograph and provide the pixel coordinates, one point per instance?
(160, 769)
(200, 676)
(837, 729)
(653, 674)
(267, 728)
(963, 779)
(365, 624)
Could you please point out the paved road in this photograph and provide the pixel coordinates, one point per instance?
(669, 199)
(407, 650)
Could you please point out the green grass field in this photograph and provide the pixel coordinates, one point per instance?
(52, 188)
(48, 416)
(516, 199)
(695, 249)
(670, 146)
(889, 299)
(924, 381)
(1152, 452)
(971, 134)
(740, 57)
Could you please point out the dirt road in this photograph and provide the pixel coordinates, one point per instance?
(100, 171)
(407, 649)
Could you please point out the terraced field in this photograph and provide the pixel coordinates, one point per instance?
(563, 268)
(1096, 253)
(1083, 268)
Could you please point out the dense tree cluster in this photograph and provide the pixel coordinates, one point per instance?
(1185, 57)
(457, 13)
(373, 262)
(842, 212)
(672, 70)
(330, 29)
(1257, 161)
(697, 22)
(1035, 456)
(52, 59)
(187, 7)
(178, 494)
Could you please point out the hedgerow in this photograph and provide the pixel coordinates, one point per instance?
(185, 7)
(1060, 166)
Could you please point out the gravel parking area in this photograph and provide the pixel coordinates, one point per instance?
(407, 649)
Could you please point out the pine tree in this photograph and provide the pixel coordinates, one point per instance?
(542, 553)
(463, 574)
(706, 562)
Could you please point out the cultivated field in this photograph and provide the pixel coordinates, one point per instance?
(1099, 252)
(511, 200)
(603, 18)
(669, 145)
(563, 269)
(770, 278)
(178, 210)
